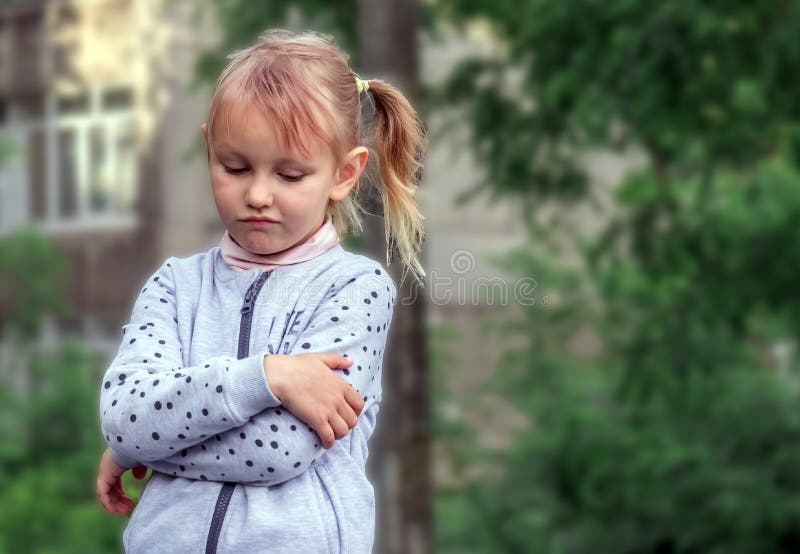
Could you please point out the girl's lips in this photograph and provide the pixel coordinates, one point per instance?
(259, 222)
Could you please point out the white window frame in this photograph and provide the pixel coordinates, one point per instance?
(15, 185)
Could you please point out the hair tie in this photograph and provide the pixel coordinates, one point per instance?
(363, 85)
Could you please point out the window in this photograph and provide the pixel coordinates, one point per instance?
(74, 164)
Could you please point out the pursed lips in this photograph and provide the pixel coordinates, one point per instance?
(258, 220)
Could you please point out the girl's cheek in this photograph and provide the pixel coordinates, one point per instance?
(222, 179)
(218, 172)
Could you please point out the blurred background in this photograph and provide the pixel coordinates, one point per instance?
(603, 357)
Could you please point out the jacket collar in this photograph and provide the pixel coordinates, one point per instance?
(242, 279)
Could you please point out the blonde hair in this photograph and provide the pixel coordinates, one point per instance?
(303, 83)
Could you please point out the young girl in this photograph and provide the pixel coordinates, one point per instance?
(249, 377)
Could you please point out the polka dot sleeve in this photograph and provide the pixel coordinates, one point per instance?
(151, 405)
(274, 445)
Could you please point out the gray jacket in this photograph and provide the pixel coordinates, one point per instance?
(187, 396)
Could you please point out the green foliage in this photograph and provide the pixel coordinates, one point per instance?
(448, 431)
(711, 473)
(693, 83)
(32, 270)
(704, 462)
(51, 442)
(241, 21)
(680, 435)
(51, 451)
(700, 291)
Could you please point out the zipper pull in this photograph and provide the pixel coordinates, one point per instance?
(248, 297)
(248, 300)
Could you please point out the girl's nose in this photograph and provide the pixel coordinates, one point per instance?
(260, 192)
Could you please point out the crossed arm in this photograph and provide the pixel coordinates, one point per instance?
(219, 420)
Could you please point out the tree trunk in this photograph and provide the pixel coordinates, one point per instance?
(399, 462)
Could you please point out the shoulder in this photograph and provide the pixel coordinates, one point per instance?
(360, 288)
(182, 269)
(361, 274)
(192, 262)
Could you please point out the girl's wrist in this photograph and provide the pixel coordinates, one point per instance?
(273, 370)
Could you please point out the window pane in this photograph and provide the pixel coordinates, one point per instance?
(37, 172)
(99, 178)
(68, 191)
(68, 105)
(117, 98)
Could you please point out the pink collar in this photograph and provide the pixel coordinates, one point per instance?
(240, 259)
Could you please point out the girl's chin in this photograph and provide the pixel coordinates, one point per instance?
(255, 244)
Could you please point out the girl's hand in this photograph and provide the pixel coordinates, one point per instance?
(306, 386)
(109, 484)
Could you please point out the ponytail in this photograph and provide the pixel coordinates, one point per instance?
(397, 136)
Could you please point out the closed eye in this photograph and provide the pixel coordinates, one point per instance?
(292, 178)
(235, 170)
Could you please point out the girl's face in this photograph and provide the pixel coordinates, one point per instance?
(252, 177)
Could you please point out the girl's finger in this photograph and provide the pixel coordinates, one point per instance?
(105, 502)
(334, 360)
(326, 435)
(103, 494)
(348, 415)
(125, 507)
(355, 399)
(120, 505)
(108, 504)
(117, 487)
(118, 493)
(339, 425)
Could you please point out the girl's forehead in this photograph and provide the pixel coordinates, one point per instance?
(248, 126)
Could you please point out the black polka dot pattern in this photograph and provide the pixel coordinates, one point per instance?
(188, 423)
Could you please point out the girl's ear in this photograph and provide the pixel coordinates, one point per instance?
(347, 175)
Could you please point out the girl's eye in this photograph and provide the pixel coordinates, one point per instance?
(235, 170)
(291, 178)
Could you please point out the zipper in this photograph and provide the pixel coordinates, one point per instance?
(225, 494)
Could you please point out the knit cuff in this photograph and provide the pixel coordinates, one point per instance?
(247, 388)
